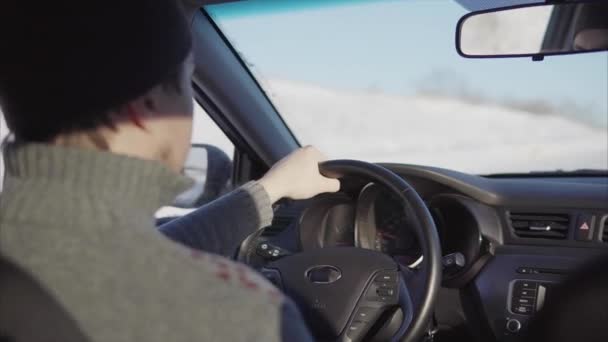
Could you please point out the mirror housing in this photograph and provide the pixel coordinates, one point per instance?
(211, 169)
(534, 30)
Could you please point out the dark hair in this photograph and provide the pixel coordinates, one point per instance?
(62, 72)
(40, 130)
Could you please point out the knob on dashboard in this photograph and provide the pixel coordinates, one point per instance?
(513, 325)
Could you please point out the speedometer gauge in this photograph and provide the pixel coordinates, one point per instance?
(389, 235)
(382, 225)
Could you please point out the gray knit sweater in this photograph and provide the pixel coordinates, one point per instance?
(81, 222)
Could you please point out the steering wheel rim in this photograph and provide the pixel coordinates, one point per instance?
(294, 269)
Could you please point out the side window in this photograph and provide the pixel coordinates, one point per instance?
(205, 131)
(209, 163)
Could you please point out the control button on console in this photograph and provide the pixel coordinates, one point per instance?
(384, 289)
(454, 260)
(513, 326)
(525, 293)
(378, 284)
(523, 300)
(269, 251)
(522, 309)
(525, 285)
(356, 330)
(365, 314)
(388, 296)
(528, 270)
(386, 277)
(385, 292)
(584, 227)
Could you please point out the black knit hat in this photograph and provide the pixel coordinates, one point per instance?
(63, 60)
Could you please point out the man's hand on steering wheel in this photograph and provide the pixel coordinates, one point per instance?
(297, 176)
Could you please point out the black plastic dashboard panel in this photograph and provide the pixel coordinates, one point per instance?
(465, 226)
(475, 213)
(508, 192)
(492, 289)
(487, 294)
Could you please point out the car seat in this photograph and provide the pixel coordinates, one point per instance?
(29, 313)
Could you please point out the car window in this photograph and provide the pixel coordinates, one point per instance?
(206, 131)
(209, 159)
(384, 83)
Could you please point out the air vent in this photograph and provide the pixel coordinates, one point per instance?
(605, 229)
(542, 226)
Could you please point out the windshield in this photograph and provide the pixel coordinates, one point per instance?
(381, 81)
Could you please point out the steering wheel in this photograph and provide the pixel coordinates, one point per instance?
(343, 292)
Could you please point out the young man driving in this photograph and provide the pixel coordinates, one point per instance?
(99, 103)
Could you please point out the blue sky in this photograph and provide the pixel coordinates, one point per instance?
(400, 47)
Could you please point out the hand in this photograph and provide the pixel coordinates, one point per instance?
(297, 176)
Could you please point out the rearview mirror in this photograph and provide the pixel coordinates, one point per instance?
(211, 169)
(534, 30)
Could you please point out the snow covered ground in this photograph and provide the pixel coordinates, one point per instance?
(427, 130)
(438, 131)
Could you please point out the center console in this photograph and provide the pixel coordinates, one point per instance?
(525, 298)
(513, 287)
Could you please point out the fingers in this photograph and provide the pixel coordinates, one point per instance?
(327, 184)
(297, 176)
(331, 185)
(314, 153)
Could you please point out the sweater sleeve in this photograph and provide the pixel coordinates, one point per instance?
(293, 326)
(220, 226)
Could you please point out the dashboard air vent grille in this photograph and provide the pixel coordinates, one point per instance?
(540, 225)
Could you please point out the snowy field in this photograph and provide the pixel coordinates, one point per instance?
(427, 130)
(437, 131)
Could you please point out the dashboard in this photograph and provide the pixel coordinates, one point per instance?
(382, 224)
(375, 221)
(514, 238)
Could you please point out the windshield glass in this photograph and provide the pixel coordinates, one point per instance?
(381, 81)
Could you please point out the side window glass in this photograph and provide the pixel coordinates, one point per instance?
(209, 164)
